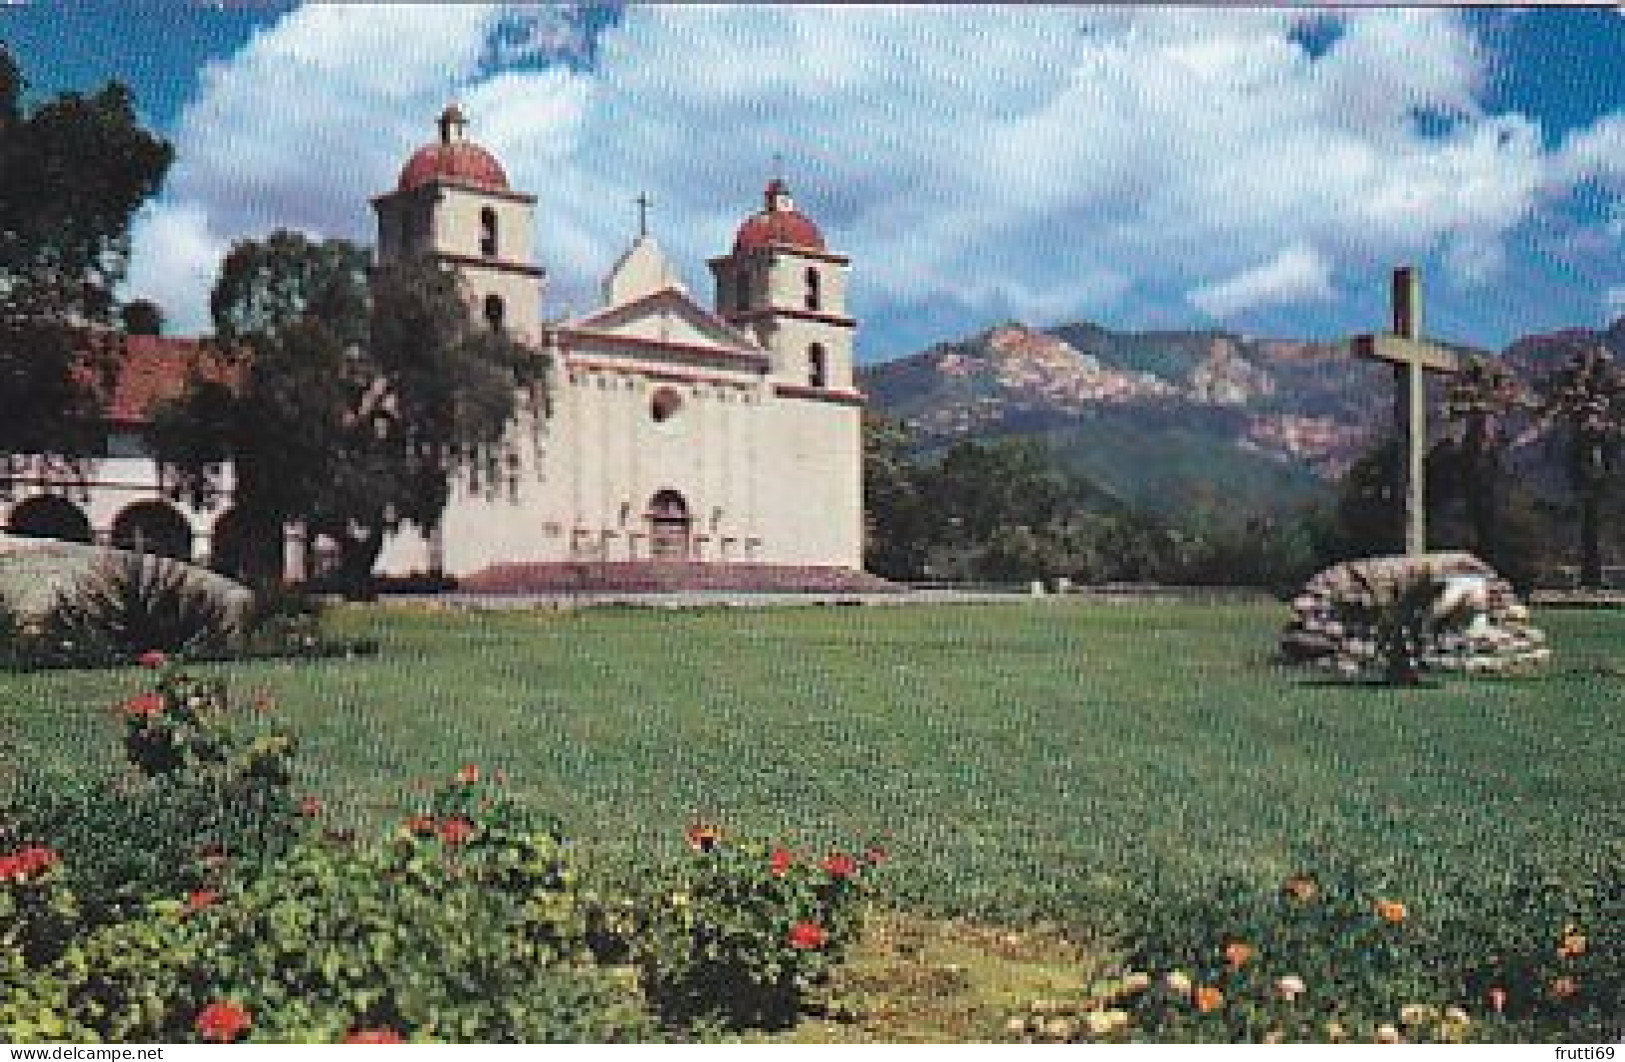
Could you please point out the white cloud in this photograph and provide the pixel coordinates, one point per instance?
(1295, 275)
(1613, 301)
(984, 161)
(175, 259)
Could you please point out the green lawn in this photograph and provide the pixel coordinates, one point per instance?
(1019, 758)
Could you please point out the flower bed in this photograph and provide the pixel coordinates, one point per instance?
(200, 901)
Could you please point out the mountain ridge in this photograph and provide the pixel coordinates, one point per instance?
(1172, 419)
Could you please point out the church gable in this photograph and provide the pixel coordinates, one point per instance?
(666, 317)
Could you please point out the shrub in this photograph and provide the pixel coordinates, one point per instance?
(1336, 957)
(743, 932)
(208, 780)
(11, 628)
(283, 617)
(135, 603)
(465, 925)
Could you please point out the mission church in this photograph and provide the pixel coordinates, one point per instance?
(727, 437)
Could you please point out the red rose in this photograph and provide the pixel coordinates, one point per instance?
(310, 807)
(781, 861)
(841, 865)
(199, 899)
(147, 704)
(222, 1022)
(456, 831)
(153, 658)
(374, 1036)
(27, 863)
(469, 775)
(420, 825)
(808, 936)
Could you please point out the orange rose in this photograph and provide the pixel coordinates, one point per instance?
(1564, 987)
(1300, 888)
(702, 837)
(1236, 954)
(1391, 911)
(1209, 999)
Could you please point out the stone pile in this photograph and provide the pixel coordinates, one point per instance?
(1477, 623)
(35, 571)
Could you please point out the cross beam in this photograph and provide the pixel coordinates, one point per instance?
(1412, 357)
(643, 203)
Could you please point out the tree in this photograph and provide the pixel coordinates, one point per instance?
(1480, 400)
(897, 516)
(360, 396)
(1363, 517)
(72, 173)
(1585, 399)
(142, 317)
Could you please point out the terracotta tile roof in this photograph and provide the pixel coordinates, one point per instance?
(154, 369)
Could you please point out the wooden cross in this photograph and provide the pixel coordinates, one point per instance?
(643, 214)
(1412, 357)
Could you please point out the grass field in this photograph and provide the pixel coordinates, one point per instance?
(1018, 760)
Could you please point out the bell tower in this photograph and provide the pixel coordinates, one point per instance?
(781, 284)
(452, 202)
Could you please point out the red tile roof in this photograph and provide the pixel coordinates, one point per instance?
(154, 369)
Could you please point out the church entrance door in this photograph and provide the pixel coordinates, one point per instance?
(670, 526)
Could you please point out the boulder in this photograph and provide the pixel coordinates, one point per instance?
(1477, 624)
(34, 572)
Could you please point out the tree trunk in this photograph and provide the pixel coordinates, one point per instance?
(1590, 540)
(357, 555)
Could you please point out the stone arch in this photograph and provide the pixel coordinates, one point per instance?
(671, 526)
(153, 527)
(245, 550)
(50, 516)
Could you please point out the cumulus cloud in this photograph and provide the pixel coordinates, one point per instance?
(1295, 275)
(975, 162)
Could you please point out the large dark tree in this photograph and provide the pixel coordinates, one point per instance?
(73, 171)
(1585, 400)
(897, 513)
(361, 395)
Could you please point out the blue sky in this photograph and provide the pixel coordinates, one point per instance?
(1144, 168)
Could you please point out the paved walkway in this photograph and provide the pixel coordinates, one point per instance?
(734, 599)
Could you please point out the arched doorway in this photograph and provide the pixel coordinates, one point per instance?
(670, 526)
(50, 516)
(153, 527)
(248, 552)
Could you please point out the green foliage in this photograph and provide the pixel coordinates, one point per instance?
(433, 934)
(1585, 398)
(744, 932)
(1338, 956)
(142, 317)
(134, 603)
(1008, 512)
(211, 777)
(73, 171)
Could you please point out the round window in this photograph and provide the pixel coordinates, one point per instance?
(665, 404)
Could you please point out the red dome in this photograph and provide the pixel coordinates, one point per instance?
(453, 158)
(779, 223)
(458, 161)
